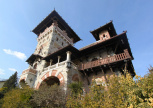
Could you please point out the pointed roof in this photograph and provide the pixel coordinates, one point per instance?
(108, 26)
(61, 23)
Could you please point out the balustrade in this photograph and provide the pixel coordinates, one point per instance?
(57, 65)
(104, 61)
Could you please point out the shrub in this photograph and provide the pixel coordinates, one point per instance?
(49, 96)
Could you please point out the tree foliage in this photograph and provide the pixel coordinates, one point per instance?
(75, 88)
(17, 98)
(11, 82)
(49, 97)
(119, 92)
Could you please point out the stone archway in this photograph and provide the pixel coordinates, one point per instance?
(51, 78)
(49, 81)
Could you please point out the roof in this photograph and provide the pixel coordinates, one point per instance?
(62, 52)
(33, 57)
(63, 25)
(108, 26)
(94, 46)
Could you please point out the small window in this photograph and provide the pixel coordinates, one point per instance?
(62, 43)
(104, 35)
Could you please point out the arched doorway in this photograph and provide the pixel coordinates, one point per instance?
(50, 81)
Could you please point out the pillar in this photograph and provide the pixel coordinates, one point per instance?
(68, 56)
(59, 58)
(51, 62)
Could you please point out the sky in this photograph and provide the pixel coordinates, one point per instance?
(19, 17)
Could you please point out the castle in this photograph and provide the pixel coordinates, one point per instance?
(56, 60)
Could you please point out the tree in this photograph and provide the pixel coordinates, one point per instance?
(119, 92)
(11, 82)
(8, 85)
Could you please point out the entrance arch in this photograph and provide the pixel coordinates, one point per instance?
(51, 78)
(50, 81)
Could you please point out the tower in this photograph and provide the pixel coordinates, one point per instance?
(53, 34)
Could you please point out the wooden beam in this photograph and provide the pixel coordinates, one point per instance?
(86, 77)
(125, 68)
(104, 73)
(111, 68)
(116, 47)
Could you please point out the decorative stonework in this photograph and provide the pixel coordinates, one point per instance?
(53, 73)
(29, 70)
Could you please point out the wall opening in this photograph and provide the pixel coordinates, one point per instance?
(50, 81)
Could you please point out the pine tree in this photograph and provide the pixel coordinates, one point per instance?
(11, 82)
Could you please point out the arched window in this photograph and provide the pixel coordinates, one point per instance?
(35, 66)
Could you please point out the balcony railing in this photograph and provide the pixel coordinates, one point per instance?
(108, 60)
(57, 65)
(29, 70)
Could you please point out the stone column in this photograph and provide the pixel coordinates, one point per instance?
(51, 62)
(59, 58)
(68, 56)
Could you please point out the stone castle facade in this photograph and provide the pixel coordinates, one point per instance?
(56, 60)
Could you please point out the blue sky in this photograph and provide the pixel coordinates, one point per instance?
(19, 17)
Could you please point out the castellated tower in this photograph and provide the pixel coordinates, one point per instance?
(56, 60)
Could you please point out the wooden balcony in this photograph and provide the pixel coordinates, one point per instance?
(108, 60)
(29, 70)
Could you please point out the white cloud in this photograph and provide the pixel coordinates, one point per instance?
(19, 55)
(1, 71)
(12, 69)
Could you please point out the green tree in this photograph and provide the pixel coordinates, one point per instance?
(11, 82)
(8, 85)
(118, 92)
(17, 98)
